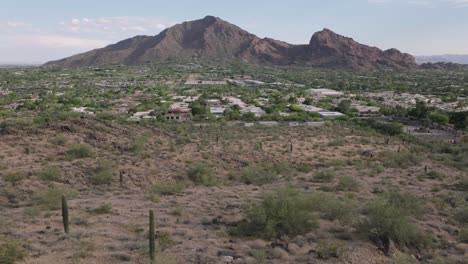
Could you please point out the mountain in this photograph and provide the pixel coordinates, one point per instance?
(212, 38)
(460, 59)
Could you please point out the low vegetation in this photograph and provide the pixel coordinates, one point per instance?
(79, 151)
(392, 218)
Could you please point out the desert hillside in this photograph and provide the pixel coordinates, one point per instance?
(340, 193)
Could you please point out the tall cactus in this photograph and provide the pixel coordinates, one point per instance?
(65, 214)
(152, 244)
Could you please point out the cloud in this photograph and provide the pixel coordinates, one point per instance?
(379, 1)
(57, 41)
(425, 3)
(114, 26)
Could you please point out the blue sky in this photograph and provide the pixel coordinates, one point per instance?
(35, 31)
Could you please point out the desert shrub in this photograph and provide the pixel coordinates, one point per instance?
(138, 145)
(11, 251)
(279, 168)
(462, 215)
(435, 175)
(401, 160)
(282, 212)
(337, 142)
(80, 151)
(330, 249)
(259, 256)
(463, 236)
(347, 183)
(165, 241)
(103, 173)
(304, 167)
(391, 216)
(50, 173)
(104, 208)
(403, 258)
(335, 209)
(14, 177)
(83, 250)
(386, 127)
(202, 174)
(167, 188)
(463, 185)
(257, 175)
(324, 176)
(59, 140)
(51, 197)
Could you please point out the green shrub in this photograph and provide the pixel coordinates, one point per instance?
(304, 168)
(335, 209)
(463, 236)
(138, 145)
(51, 198)
(330, 249)
(80, 151)
(391, 216)
(324, 176)
(202, 174)
(283, 212)
(14, 177)
(347, 183)
(167, 188)
(259, 256)
(463, 185)
(257, 176)
(59, 140)
(435, 175)
(103, 173)
(403, 258)
(104, 208)
(50, 173)
(11, 251)
(402, 160)
(462, 215)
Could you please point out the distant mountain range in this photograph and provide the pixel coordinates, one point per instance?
(460, 59)
(213, 39)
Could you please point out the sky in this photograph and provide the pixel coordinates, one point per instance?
(37, 31)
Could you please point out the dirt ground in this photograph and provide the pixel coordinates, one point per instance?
(193, 224)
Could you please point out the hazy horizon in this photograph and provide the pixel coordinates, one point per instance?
(34, 32)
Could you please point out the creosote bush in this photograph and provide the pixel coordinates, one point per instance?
(392, 217)
(79, 151)
(202, 174)
(257, 175)
(103, 173)
(50, 173)
(348, 184)
(51, 198)
(283, 212)
(402, 160)
(11, 251)
(104, 208)
(167, 188)
(324, 176)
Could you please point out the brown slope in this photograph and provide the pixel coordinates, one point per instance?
(326, 48)
(211, 39)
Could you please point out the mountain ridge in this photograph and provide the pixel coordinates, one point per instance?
(212, 38)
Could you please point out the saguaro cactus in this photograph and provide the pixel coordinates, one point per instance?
(152, 244)
(65, 214)
(121, 178)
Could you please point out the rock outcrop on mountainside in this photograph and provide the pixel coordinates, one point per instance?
(211, 38)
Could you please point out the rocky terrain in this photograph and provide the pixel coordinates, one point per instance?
(196, 210)
(211, 38)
